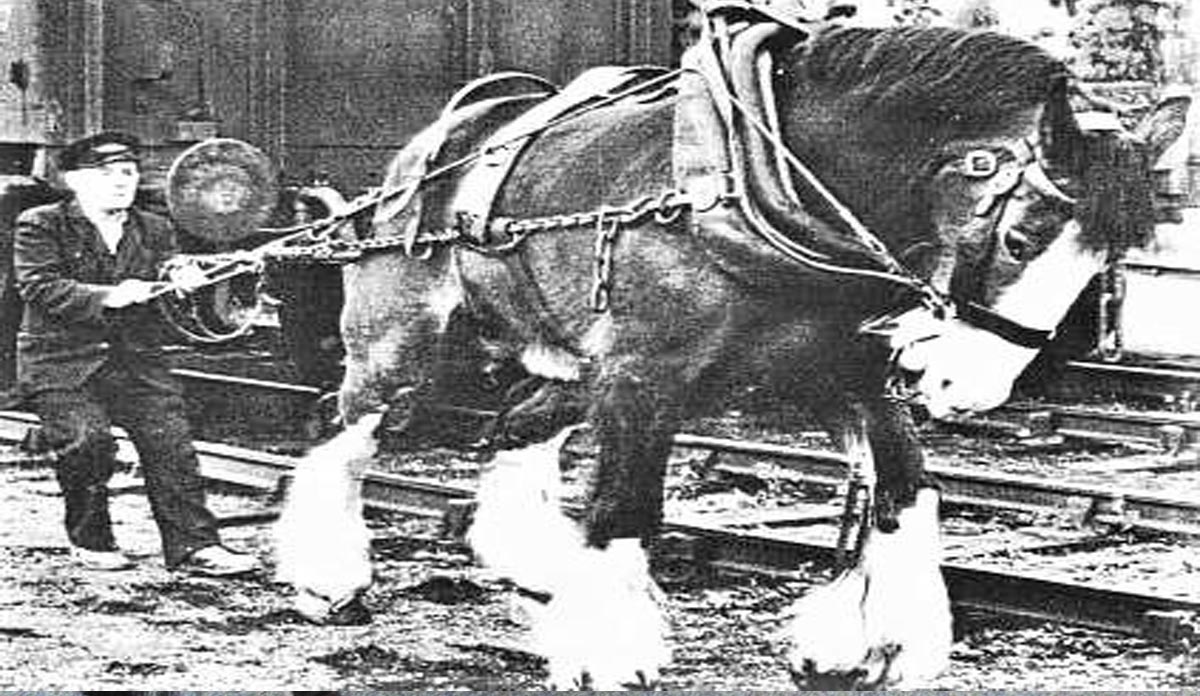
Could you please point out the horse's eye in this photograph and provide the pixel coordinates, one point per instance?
(980, 164)
(1018, 245)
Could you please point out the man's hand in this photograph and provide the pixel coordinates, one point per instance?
(129, 292)
(187, 277)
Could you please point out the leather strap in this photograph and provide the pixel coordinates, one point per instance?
(983, 318)
(479, 187)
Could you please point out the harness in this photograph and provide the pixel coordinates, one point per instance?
(732, 168)
(731, 164)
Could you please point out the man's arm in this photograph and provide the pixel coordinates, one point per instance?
(41, 275)
(43, 281)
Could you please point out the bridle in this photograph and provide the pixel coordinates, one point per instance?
(1029, 173)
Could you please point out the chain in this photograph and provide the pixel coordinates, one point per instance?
(606, 241)
(504, 234)
(329, 250)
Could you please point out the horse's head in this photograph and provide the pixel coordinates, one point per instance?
(961, 150)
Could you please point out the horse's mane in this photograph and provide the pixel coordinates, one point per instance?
(973, 80)
(937, 72)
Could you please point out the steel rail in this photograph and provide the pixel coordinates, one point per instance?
(265, 471)
(1126, 508)
(694, 541)
(1170, 432)
(1008, 592)
(1122, 507)
(1154, 379)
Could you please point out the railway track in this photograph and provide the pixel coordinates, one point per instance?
(1158, 380)
(756, 544)
(269, 402)
(1170, 435)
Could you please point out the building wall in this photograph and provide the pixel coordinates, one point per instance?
(363, 78)
(323, 86)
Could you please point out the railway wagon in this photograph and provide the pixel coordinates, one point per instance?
(328, 90)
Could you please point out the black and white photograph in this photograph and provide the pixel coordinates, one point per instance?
(599, 345)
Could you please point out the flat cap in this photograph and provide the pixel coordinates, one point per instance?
(99, 149)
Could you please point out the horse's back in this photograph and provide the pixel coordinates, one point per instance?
(609, 156)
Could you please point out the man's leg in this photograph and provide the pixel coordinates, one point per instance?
(157, 423)
(74, 425)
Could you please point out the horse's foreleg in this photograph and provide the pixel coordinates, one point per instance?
(886, 621)
(600, 625)
(604, 627)
(321, 540)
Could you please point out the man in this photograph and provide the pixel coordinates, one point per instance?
(89, 356)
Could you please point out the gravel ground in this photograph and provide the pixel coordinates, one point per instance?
(441, 623)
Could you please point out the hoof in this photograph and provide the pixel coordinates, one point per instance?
(886, 622)
(808, 678)
(873, 675)
(606, 631)
(584, 682)
(319, 610)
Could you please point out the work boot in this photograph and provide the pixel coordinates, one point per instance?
(88, 523)
(108, 560)
(216, 561)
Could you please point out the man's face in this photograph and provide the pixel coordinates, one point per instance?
(110, 186)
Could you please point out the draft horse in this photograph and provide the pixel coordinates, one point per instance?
(887, 218)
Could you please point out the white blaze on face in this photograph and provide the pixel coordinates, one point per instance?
(965, 368)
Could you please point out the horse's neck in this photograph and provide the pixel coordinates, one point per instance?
(729, 122)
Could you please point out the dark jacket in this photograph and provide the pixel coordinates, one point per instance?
(62, 265)
(17, 193)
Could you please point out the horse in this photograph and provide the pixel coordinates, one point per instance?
(956, 151)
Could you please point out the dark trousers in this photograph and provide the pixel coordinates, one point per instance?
(77, 423)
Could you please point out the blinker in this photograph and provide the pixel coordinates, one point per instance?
(1000, 187)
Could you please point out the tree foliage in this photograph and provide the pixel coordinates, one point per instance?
(1123, 39)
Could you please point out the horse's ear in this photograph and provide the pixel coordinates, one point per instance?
(1163, 126)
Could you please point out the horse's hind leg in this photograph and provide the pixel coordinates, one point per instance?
(395, 325)
(394, 315)
(886, 621)
(321, 542)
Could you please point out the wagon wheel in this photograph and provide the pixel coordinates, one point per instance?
(221, 190)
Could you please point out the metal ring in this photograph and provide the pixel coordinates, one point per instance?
(980, 164)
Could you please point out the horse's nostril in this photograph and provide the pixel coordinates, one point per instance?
(946, 384)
